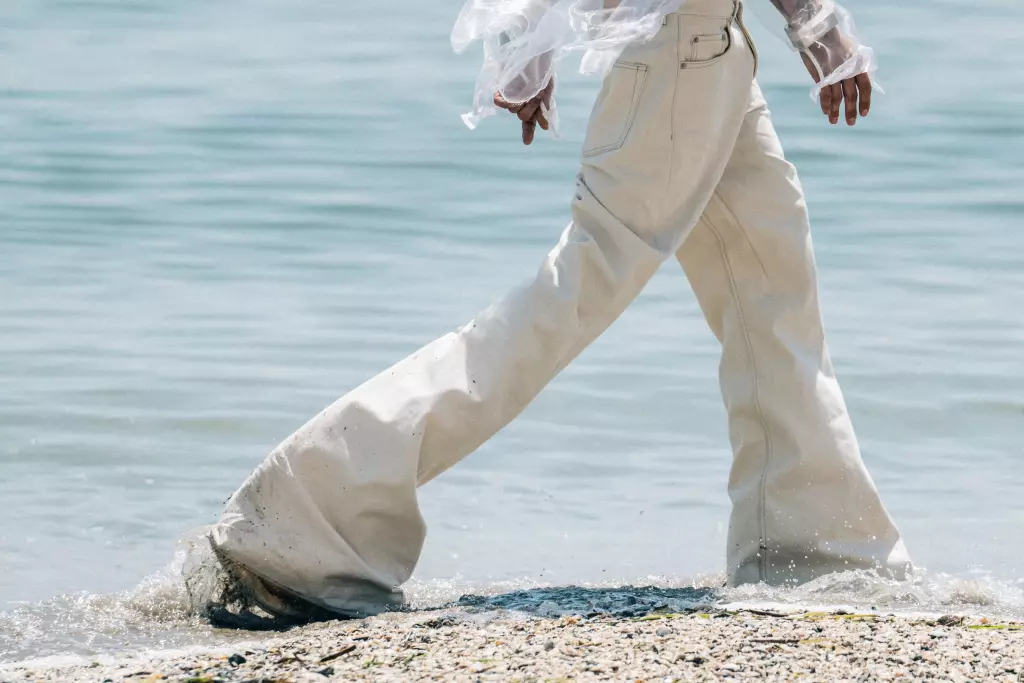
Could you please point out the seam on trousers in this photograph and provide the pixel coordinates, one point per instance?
(762, 512)
(671, 129)
(748, 38)
(743, 231)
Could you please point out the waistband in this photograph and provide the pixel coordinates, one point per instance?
(726, 9)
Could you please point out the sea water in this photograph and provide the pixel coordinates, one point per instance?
(215, 220)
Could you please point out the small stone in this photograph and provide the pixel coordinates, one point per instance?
(549, 646)
(236, 659)
(663, 631)
(326, 671)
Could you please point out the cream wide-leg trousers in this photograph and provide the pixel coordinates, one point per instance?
(680, 159)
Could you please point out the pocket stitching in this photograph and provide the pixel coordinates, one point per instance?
(697, 39)
(690, 64)
(638, 90)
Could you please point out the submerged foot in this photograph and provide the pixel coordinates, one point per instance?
(228, 595)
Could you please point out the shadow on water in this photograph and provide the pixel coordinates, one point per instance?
(626, 601)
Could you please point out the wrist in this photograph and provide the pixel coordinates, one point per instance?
(811, 23)
(830, 52)
(832, 46)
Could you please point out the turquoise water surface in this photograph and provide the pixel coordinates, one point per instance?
(214, 220)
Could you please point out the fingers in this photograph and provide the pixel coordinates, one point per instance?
(837, 100)
(530, 127)
(529, 110)
(830, 98)
(850, 95)
(864, 85)
(530, 113)
(540, 103)
(501, 103)
(546, 97)
(529, 130)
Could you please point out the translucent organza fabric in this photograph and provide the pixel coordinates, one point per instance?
(523, 40)
(828, 35)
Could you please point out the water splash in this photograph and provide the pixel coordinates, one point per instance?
(156, 614)
(979, 594)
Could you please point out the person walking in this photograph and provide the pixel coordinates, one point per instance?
(681, 161)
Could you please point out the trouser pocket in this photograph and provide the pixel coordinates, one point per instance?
(706, 48)
(703, 40)
(615, 109)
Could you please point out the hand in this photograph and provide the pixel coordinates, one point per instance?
(531, 113)
(830, 52)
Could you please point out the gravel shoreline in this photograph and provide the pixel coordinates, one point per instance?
(469, 644)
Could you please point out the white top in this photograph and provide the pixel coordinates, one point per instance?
(523, 39)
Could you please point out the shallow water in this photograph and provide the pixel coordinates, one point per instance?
(213, 223)
(154, 615)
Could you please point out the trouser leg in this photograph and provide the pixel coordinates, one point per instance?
(331, 514)
(803, 503)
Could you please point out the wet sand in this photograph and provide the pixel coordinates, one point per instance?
(470, 644)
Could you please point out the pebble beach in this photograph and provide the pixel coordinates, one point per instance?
(468, 644)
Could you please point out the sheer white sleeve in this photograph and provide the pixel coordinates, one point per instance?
(823, 31)
(523, 39)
